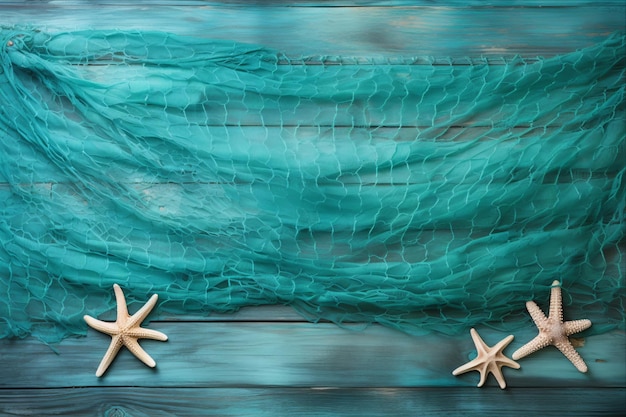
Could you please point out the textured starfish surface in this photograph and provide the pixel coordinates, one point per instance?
(126, 330)
(488, 360)
(553, 331)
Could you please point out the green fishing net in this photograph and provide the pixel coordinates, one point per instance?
(420, 193)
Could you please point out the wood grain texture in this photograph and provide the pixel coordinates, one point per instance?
(438, 30)
(278, 402)
(326, 3)
(201, 354)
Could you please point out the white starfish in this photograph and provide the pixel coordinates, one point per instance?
(488, 360)
(126, 330)
(553, 331)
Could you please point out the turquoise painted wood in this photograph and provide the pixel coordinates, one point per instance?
(373, 31)
(313, 402)
(295, 368)
(263, 354)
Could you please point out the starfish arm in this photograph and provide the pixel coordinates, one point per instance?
(501, 360)
(138, 351)
(122, 310)
(502, 344)
(536, 314)
(110, 354)
(534, 345)
(576, 326)
(504, 361)
(481, 346)
(472, 365)
(500, 379)
(556, 302)
(143, 312)
(142, 333)
(484, 372)
(497, 373)
(570, 353)
(102, 326)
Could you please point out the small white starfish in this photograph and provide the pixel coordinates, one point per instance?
(488, 360)
(553, 331)
(126, 330)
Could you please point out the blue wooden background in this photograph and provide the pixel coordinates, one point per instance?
(269, 361)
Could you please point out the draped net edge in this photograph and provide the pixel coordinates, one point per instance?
(428, 198)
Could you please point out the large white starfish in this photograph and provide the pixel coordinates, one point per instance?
(125, 331)
(488, 360)
(553, 331)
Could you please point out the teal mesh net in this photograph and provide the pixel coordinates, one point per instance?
(423, 194)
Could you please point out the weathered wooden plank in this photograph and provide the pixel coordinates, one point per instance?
(328, 3)
(218, 354)
(272, 402)
(355, 31)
